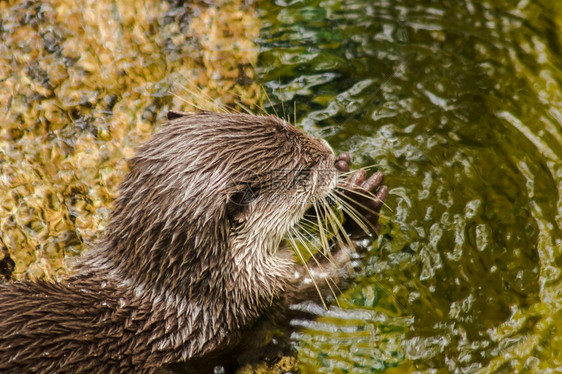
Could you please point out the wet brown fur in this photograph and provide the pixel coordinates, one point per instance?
(190, 258)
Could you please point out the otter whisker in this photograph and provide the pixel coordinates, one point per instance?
(241, 105)
(345, 206)
(338, 230)
(346, 200)
(318, 264)
(308, 228)
(284, 112)
(334, 224)
(366, 194)
(294, 112)
(347, 173)
(354, 214)
(328, 280)
(303, 239)
(269, 100)
(322, 217)
(323, 237)
(208, 99)
(187, 101)
(262, 108)
(221, 107)
(358, 190)
(329, 218)
(364, 223)
(337, 226)
(308, 271)
(312, 226)
(307, 224)
(343, 184)
(247, 110)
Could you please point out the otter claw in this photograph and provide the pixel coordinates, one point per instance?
(382, 193)
(373, 182)
(342, 166)
(357, 178)
(345, 157)
(342, 162)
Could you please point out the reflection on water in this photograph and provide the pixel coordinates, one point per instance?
(459, 103)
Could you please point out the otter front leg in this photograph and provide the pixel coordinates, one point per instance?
(363, 198)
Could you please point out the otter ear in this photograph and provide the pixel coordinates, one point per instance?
(174, 114)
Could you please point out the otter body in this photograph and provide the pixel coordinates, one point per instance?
(191, 257)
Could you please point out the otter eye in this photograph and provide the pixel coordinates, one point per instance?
(240, 199)
(247, 194)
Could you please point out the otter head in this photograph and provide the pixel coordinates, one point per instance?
(208, 200)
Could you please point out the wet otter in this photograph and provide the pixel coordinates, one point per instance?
(191, 257)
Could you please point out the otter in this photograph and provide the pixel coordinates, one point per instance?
(193, 254)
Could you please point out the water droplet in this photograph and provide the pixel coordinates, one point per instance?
(123, 302)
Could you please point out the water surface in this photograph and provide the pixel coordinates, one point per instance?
(459, 104)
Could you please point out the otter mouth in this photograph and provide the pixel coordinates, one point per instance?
(321, 221)
(346, 207)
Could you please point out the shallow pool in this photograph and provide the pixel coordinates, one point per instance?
(459, 103)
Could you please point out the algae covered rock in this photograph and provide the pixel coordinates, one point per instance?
(83, 84)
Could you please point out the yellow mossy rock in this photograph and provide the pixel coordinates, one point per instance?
(84, 83)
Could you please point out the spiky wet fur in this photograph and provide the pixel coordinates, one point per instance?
(188, 261)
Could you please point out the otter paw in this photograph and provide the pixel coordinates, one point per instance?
(364, 197)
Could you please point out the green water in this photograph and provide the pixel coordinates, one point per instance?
(459, 103)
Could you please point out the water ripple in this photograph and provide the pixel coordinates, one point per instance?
(459, 103)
